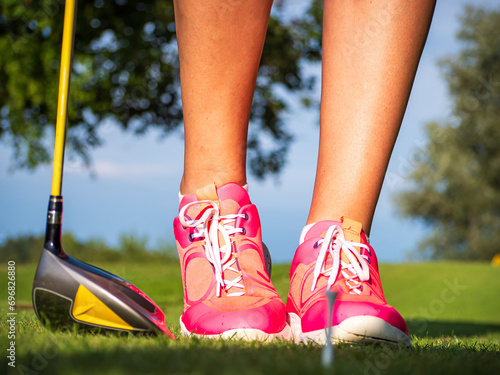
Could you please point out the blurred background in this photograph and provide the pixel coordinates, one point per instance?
(124, 157)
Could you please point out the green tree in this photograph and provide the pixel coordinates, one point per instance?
(456, 183)
(125, 72)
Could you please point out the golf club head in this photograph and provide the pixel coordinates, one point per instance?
(69, 294)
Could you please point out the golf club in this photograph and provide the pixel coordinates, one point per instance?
(68, 293)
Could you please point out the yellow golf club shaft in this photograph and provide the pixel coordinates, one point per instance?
(62, 102)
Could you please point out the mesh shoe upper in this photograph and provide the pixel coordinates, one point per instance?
(337, 256)
(226, 285)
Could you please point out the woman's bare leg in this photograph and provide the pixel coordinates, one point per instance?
(220, 45)
(371, 50)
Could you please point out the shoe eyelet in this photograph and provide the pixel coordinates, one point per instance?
(243, 231)
(316, 245)
(191, 237)
(369, 261)
(183, 227)
(245, 217)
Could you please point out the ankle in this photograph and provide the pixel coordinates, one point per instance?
(365, 220)
(189, 185)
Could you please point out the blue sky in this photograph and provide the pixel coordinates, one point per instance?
(137, 178)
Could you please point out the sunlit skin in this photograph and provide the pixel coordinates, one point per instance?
(371, 51)
(220, 45)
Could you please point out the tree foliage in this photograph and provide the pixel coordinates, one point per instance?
(125, 72)
(456, 184)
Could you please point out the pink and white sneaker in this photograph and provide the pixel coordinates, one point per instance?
(336, 256)
(227, 291)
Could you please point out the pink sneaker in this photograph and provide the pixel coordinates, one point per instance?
(227, 291)
(337, 257)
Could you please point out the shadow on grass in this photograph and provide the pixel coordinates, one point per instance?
(163, 356)
(425, 328)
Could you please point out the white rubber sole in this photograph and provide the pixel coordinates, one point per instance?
(246, 334)
(368, 329)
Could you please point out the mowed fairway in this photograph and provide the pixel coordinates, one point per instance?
(453, 311)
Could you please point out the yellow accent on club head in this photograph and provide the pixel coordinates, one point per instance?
(90, 309)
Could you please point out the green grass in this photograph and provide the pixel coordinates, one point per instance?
(453, 311)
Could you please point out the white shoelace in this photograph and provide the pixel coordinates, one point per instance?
(209, 225)
(334, 243)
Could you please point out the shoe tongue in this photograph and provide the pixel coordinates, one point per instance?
(352, 232)
(229, 198)
(209, 193)
(352, 229)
